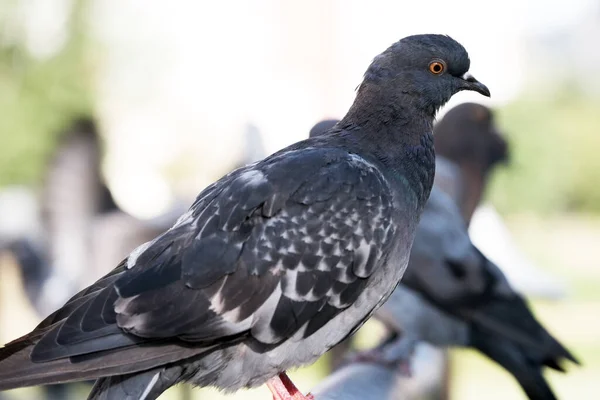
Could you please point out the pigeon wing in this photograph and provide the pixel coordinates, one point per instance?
(268, 250)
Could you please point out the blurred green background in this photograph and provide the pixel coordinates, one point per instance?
(549, 194)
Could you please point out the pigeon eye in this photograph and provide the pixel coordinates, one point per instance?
(436, 67)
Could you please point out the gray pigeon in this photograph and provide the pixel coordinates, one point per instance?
(273, 264)
(73, 195)
(469, 158)
(452, 295)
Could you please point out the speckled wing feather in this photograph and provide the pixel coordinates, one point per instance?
(271, 249)
(275, 247)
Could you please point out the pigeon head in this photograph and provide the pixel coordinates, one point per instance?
(467, 133)
(321, 127)
(422, 70)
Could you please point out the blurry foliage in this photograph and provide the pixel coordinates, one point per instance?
(37, 99)
(555, 163)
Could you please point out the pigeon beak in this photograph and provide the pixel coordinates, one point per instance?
(470, 83)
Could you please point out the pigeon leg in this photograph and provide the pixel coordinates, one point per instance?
(283, 388)
(399, 352)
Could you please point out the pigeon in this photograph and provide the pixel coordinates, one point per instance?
(82, 223)
(273, 264)
(452, 295)
(469, 145)
(73, 196)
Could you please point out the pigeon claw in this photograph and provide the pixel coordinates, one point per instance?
(405, 368)
(282, 388)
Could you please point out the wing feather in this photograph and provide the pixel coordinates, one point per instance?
(270, 249)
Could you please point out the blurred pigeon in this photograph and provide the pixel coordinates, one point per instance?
(458, 297)
(469, 146)
(322, 127)
(452, 295)
(83, 226)
(254, 148)
(273, 264)
(73, 195)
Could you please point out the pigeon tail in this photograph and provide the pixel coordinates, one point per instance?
(19, 371)
(521, 362)
(512, 319)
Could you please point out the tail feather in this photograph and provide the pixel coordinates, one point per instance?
(505, 330)
(147, 385)
(525, 364)
(513, 320)
(17, 370)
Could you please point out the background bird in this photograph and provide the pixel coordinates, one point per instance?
(273, 264)
(466, 159)
(451, 294)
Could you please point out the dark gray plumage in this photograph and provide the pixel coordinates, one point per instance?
(273, 264)
(451, 294)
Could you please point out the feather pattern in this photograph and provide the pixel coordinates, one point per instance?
(257, 255)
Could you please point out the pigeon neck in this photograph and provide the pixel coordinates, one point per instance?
(474, 179)
(389, 117)
(396, 133)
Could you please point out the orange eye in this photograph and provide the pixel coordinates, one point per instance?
(436, 67)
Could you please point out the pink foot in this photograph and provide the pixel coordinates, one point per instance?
(283, 388)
